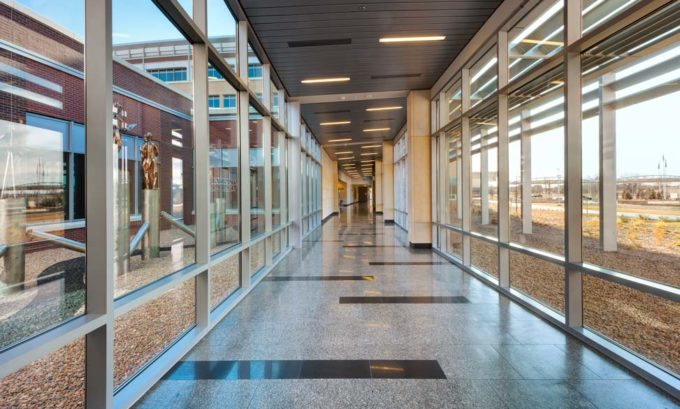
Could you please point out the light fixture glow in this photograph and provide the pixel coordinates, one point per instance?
(343, 153)
(340, 140)
(324, 80)
(376, 129)
(542, 42)
(383, 108)
(350, 158)
(411, 39)
(369, 154)
(367, 161)
(371, 146)
(335, 123)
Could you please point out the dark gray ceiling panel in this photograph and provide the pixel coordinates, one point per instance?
(351, 29)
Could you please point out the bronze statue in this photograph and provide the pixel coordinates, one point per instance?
(149, 163)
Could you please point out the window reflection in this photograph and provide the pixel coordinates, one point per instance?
(42, 169)
(153, 147)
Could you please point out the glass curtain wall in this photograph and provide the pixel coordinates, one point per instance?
(401, 182)
(311, 182)
(607, 217)
(165, 243)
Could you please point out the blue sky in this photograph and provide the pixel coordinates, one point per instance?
(133, 20)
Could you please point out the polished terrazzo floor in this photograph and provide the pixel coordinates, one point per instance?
(294, 343)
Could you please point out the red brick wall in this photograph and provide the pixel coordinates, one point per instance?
(26, 32)
(22, 30)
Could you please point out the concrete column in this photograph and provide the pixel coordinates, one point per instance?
(377, 193)
(607, 166)
(484, 178)
(336, 194)
(526, 172)
(388, 181)
(419, 170)
(294, 175)
(329, 185)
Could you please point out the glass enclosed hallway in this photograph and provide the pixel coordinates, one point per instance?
(357, 319)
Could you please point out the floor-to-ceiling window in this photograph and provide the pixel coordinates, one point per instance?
(42, 196)
(401, 181)
(162, 244)
(566, 213)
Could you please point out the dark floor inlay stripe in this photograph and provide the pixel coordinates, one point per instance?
(405, 300)
(305, 369)
(406, 369)
(406, 263)
(360, 234)
(370, 245)
(321, 278)
(234, 370)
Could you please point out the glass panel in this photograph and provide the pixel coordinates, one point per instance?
(145, 332)
(631, 151)
(537, 163)
(538, 279)
(222, 31)
(276, 244)
(254, 73)
(256, 155)
(160, 168)
(484, 182)
(225, 278)
(483, 77)
(58, 380)
(274, 99)
(257, 257)
(597, 12)
(42, 195)
(276, 179)
(454, 98)
(454, 206)
(484, 256)
(641, 322)
(224, 171)
(538, 36)
(454, 243)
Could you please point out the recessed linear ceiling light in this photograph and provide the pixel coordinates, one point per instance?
(411, 39)
(340, 140)
(376, 129)
(369, 153)
(350, 158)
(324, 80)
(343, 153)
(335, 123)
(371, 146)
(367, 161)
(383, 108)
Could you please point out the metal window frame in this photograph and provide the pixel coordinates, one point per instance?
(97, 324)
(572, 262)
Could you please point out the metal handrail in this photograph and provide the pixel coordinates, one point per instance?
(175, 222)
(137, 239)
(59, 241)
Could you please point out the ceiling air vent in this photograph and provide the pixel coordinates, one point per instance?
(390, 76)
(319, 43)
